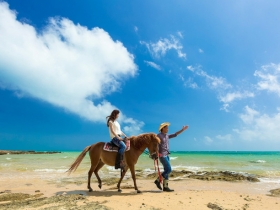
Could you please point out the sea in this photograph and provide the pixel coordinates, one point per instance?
(265, 165)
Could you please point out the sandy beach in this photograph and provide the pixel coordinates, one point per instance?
(71, 193)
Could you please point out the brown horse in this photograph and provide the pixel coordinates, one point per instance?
(99, 157)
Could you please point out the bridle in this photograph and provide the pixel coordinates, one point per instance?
(152, 156)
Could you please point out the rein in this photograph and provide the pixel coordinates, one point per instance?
(157, 166)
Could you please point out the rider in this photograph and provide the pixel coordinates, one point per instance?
(164, 152)
(115, 134)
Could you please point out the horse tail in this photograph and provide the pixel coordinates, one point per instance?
(79, 159)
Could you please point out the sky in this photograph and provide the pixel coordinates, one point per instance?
(212, 65)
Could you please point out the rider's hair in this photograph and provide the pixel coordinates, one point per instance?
(113, 116)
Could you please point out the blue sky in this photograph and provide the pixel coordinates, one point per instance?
(213, 65)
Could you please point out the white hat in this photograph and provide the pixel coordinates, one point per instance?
(163, 125)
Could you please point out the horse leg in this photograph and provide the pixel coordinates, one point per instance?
(132, 170)
(122, 175)
(98, 167)
(92, 168)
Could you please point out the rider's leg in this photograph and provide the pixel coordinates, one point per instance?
(121, 151)
(122, 147)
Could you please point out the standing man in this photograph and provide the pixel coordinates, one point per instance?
(164, 153)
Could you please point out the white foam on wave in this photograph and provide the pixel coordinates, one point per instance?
(8, 158)
(189, 168)
(270, 180)
(149, 170)
(110, 168)
(65, 157)
(258, 161)
(173, 158)
(50, 170)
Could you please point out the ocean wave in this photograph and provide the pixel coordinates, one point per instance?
(258, 161)
(8, 158)
(270, 180)
(173, 158)
(110, 168)
(189, 168)
(50, 170)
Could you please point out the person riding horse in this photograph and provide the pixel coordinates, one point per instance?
(115, 135)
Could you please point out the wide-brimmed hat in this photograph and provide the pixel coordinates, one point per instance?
(163, 125)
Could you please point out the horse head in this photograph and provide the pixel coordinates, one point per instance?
(153, 146)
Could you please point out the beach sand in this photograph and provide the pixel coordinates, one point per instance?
(38, 193)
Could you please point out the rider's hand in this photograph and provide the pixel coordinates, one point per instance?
(185, 127)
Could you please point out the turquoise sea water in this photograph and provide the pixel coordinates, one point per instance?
(264, 164)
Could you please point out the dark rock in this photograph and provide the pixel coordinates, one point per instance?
(18, 152)
(275, 192)
(214, 206)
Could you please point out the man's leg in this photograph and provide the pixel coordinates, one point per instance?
(167, 170)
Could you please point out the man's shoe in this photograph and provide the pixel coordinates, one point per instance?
(165, 186)
(157, 182)
(166, 189)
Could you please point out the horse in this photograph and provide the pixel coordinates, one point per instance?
(100, 157)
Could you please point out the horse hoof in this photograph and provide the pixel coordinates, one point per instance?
(90, 190)
(99, 186)
(138, 191)
(119, 190)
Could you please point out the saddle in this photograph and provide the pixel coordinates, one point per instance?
(111, 147)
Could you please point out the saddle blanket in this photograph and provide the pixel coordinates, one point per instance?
(110, 147)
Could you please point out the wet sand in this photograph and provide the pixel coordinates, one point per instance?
(190, 193)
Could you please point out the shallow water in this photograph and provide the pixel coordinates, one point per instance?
(264, 164)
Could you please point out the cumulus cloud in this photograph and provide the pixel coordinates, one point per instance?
(160, 48)
(269, 78)
(65, 64)
(152, 64)
(259, 126)
(134, 126)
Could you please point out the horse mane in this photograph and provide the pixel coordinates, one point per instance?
(144, 139)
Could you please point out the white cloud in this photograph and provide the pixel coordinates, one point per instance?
(269, 77)
(227, 137)
(212, 82)
(135, 28)
(160, 48)
(152, 64)
(208, 140)
(180, 34)
(259, 126)
(249, 115)
(135, 126)
(64, 64)
(229, 97)
(200, 50)
(189, 82)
